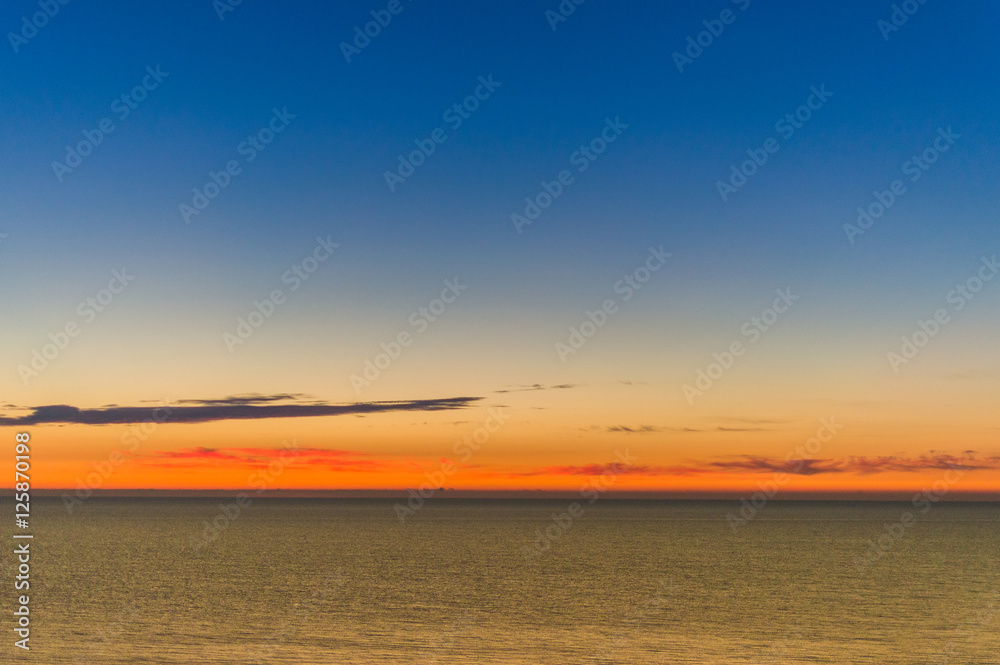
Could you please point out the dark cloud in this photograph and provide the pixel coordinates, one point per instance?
(641, 429)
(939, 461)
(538, 386)
(801, 467)
(652, 429)
(759, 464)
(246, 407)
(645, 429)
(252, 398)
(615, 468)
(857, 465)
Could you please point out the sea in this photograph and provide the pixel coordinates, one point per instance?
(318, 581)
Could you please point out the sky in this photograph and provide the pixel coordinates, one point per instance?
(674, 247)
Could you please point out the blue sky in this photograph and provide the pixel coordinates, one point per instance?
(323, 176)
(326, 172)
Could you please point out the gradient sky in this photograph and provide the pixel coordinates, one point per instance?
(161, 340)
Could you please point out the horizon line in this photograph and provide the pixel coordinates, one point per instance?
(458, 494)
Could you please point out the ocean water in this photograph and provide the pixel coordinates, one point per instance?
(345, 581)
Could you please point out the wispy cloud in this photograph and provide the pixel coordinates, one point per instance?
(537, 386)
(332, 460)
(240, 407)
(590, 470)
(762, 464)
(653, 429)
(353, 461)
(800, 467)
(856, 465)
(252, 398)
(641, 429)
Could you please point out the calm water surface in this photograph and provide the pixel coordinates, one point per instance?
(335, 581)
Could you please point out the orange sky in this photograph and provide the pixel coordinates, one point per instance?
(546, 438)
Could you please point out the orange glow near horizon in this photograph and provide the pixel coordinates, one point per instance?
(555, 437)
(400, 450)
